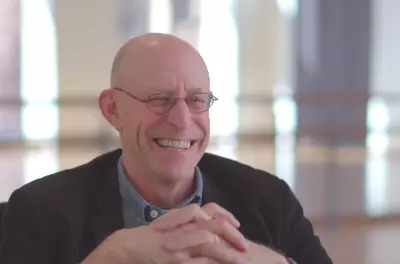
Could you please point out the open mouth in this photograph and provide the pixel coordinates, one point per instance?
(174, 144)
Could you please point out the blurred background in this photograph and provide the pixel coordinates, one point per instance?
(308, 90)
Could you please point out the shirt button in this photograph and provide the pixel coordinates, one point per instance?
(153, 214)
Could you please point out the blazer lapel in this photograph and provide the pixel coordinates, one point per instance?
(213, 194)
(107, 212)
(251, 223)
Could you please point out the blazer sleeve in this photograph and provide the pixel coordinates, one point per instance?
(298, 239)
(26, 231)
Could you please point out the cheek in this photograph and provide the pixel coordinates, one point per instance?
(129, 127)
(146, 128)
(204, 123)
(132, 134)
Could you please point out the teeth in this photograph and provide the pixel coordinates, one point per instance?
(179, 144)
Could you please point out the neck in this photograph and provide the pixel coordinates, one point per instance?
(166, 194)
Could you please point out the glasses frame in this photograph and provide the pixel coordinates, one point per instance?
(213, 99)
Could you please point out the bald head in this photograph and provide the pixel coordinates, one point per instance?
(145, 54)
(163, 138)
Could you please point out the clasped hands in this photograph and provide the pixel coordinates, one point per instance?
(192, 235)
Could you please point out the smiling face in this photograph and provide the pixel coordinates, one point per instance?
(167, 145)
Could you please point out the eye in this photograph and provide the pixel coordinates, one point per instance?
(159, 100)
(199, 98)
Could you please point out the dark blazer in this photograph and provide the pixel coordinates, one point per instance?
(2, 209)
(61, 218)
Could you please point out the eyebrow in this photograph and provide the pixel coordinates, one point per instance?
(154, 90)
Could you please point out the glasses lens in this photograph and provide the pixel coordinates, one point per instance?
(196, 103)
(200, 102)
(160, 103)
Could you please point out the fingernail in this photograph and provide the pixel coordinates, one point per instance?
(237, 223)
(234, 222)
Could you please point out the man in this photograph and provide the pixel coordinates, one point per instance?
(159, 199)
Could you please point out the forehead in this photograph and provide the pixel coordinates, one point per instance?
(168, 80)
(165, 71)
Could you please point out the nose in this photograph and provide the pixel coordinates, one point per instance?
(180, 115)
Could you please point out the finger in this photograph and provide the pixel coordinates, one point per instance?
(206, 231)
(186, 240)
(188, 227)
(218, 253)
(178, 217)
(215, 211)
(227, 232)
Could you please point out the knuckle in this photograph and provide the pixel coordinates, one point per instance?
(213, 206)
(193, 208)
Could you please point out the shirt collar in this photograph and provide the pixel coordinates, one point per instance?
(135, 204)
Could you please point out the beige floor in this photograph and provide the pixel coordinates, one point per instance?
(346, 183)
(372, 244)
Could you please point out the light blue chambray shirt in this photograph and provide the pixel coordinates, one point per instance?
(136, 211)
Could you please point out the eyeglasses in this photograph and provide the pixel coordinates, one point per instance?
(161, 103)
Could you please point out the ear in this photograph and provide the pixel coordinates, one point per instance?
(108, 107)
